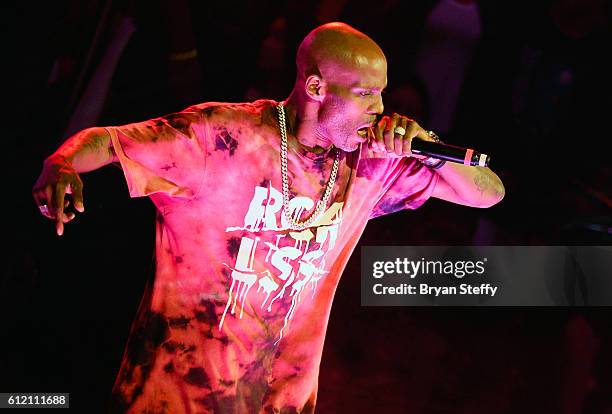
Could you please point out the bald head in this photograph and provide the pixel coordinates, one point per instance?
(333, 48)
(341, 73)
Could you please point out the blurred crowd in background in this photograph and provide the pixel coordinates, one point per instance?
(524, 81)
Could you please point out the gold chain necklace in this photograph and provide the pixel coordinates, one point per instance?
(321, 204)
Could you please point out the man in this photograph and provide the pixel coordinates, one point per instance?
(259, 207)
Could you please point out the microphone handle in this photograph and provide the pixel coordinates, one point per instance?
(450, 153)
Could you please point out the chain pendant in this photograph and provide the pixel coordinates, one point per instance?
(321, 204)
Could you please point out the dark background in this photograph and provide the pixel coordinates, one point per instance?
(536, 96)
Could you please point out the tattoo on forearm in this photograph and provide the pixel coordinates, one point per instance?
(483, 182)
(91, 142)
(84, 143)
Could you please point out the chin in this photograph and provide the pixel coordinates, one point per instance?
(350, 145)
(351, 148)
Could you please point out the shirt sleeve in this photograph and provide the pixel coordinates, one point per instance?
(407, 184)
(163, 155)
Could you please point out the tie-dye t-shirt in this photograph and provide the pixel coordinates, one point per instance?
(235, 318)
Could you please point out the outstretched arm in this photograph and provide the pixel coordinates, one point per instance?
(85, 151)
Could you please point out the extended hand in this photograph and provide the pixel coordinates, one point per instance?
(57, 179)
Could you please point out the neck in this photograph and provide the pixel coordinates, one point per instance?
(302, 121)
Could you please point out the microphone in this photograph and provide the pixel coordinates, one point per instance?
(466, 156)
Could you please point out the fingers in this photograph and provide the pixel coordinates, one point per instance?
(41, 202)
(412, 130)
(57, 208)
(393, 135)
(399, 142)
(68, 217)
(378, 144)
(384, 138)
(57, 179)
(76, 188)
(389, 134)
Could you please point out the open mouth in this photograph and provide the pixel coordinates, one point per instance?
(364, 132)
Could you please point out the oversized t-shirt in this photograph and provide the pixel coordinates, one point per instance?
(235, 318)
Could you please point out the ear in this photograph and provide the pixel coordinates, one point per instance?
(315, 88)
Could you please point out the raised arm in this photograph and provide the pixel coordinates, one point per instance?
(85, 151)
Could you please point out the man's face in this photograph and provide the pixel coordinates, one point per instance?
(352, 101)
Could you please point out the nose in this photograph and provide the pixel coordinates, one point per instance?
(377, 107)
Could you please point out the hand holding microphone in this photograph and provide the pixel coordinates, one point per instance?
(391, 136)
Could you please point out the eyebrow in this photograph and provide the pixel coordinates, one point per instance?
(366, 88)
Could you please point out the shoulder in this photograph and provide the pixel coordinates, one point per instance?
(226, 114)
